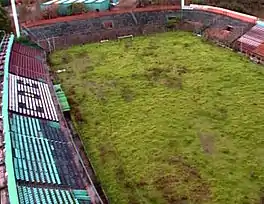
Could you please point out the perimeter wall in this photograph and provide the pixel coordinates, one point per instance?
(68, 32)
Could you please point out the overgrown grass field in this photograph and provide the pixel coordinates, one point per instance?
(168, 118)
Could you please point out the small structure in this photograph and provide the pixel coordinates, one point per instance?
(260, 23)
(62, 98)
(65, 6)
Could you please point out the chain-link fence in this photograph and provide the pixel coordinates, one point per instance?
(213, 29)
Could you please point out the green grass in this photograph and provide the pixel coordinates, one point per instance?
(168, 118)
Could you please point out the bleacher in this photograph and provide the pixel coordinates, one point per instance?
(29, 194)
(26, 65)
(252, 41)
(38, 163)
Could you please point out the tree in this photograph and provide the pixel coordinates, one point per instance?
(5, 23)
(29, 11)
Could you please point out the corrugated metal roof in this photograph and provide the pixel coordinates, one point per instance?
(249, 41)
(31, 97)
(254, 37)
(260, 50)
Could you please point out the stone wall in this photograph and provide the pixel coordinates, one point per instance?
(64, 34)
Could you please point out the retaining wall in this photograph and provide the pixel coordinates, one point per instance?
(63, 34)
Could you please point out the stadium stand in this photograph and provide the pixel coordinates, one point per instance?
(28, 66)
(38, 162)
(251, 42)
(28, 194)
(259, 50)
(31, 97)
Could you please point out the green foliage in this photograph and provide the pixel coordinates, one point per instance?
(78, 8)
(172, 21)
(26, 41)
(254, 7)
(5, 23)
(169, 119)
(50, 12)
(4, 3)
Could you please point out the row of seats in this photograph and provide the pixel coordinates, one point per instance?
(27, 62)
(27, 66)
(31, 97)
(39, 158)
(28, 194)
(252, 41)
(33, 160)
(66, 166)
(37, 127)
(16, 69)
(260, 50)
(28, 51)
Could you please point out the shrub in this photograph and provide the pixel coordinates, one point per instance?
(78, 8)
(5, 23)
(50, 12)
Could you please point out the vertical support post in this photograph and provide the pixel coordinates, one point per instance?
(14, 14)
(182, 4)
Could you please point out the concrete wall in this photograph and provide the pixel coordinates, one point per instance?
(64, 34)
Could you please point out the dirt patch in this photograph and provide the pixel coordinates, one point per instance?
(66, 58)
(169, 77)
(207, 141)
(105, 152)
(261, 196)
(185, 185)
(127, 94)
(98, 90)
(189, 26)
(75, 108)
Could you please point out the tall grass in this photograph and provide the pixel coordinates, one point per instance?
(168, 119)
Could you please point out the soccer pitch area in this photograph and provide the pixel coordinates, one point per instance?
(168, 118)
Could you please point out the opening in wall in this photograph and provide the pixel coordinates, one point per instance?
(108, 24)
(229, 28)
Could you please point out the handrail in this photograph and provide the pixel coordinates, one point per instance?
(13, 195)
